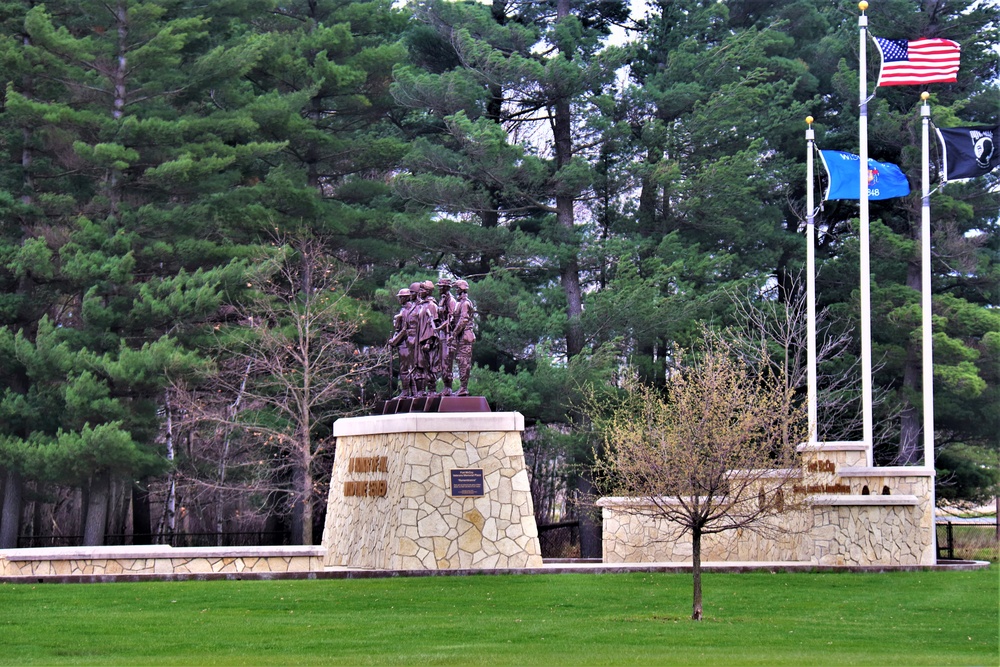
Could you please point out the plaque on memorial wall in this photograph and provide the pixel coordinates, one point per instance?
(467, 483)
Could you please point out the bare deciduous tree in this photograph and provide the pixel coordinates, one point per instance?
(284, 373)
(780, 324)
(715, 452)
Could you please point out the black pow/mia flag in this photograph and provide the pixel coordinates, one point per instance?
(969, 151)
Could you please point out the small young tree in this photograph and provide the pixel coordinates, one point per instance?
(714, 452)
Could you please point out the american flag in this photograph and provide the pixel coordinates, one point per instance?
(907, 63)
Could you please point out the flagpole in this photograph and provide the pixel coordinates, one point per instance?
(811, 399)
(925, 287)
(925, 305)
(866, 285)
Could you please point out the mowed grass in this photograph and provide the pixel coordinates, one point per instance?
(898, 618)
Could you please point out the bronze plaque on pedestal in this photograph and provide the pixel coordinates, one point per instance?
(467, 483)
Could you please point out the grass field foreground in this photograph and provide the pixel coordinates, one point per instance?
(897, 618)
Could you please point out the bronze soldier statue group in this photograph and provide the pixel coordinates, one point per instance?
(432, 337)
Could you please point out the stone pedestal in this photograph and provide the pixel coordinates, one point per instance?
(431, 491)
(849, 515)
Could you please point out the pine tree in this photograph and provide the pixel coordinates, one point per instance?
(322, 89)
(508, 90)
(118, 168)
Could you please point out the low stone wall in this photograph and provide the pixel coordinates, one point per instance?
(859, 531)
(874, 516)
(392, 505)
(157, 559)
(633, 533)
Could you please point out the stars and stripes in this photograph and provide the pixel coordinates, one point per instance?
(906, 63)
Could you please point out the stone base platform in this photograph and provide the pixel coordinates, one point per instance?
(430, 491)
(849, 515)
(555, 566)
(158, 560)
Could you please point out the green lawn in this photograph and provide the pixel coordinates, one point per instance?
(899, 618)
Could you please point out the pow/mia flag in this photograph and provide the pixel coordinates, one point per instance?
(969, 151)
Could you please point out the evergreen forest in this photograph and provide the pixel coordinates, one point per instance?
(207, 208)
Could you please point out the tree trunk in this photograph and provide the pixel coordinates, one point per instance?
(27, 139)
(168, 519)
(27, 196)
(97, 510)
(569, 271)
(78, 505)
(119, 79)
(302, 514)
(34, 528)
(590, 530)
(570, 280)
(649, 195)
(307, 506)
(10, 516)
(142, 520)
(696, 611)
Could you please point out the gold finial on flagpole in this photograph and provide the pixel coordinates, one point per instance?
(809, 120)
(925, 96)
(862, 5)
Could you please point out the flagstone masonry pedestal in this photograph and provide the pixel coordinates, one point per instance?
(853, 515)
(396, 494)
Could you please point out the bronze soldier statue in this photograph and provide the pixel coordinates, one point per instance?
(401, 340)
(427, 347)
(446, 307)
(463, 331)
(412, 325)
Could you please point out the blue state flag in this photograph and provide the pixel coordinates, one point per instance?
(885, 180)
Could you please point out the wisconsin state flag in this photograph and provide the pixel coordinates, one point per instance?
(885, 180)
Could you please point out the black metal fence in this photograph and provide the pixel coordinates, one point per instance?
(968, 540)
(246, 539)
(559, 540)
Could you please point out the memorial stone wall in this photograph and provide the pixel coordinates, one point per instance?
(846, 514)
